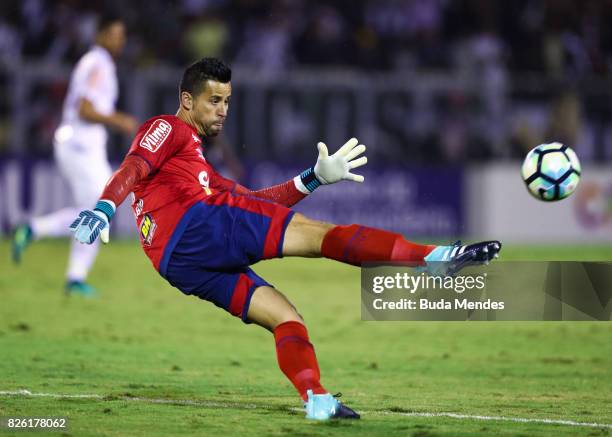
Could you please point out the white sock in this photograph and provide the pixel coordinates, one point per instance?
(55, 224)
(82, 257)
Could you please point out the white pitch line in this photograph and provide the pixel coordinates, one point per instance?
(502, 418)
(215, 404)
(190, 402)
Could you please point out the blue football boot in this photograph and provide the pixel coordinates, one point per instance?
(326, 406)
(448, 260)
(22, 237)
(80, 287)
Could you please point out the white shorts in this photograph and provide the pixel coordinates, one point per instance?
(85, 167)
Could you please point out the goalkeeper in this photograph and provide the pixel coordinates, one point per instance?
(202, 231)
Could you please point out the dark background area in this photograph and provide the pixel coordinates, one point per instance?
(430, 81)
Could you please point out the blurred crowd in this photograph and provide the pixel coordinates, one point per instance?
(559, 37)
(491, 44)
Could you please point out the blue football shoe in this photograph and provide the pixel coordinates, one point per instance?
(22, 237)
(448, 260)
(80, 287)
(325, 407)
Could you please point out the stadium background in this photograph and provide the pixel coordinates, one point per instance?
(448, 95)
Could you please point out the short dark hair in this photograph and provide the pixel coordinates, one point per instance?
(195, 76)
(106, 20)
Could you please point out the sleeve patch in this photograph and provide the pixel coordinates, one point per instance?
(156, 135)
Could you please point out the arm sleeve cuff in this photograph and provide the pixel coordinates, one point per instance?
(299, 185)
(108, 207)
(308, 180)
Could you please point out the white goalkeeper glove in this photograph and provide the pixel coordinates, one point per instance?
(334, 168)
(91, 224)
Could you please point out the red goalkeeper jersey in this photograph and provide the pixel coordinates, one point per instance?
(179, 177)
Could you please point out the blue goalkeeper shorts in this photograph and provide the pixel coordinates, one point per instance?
(225, 234)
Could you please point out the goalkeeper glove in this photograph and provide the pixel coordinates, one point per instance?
(89, 224)
(335, 168)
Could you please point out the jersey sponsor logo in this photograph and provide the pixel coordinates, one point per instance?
(205, 181)
(155, 136)
(203, 178)
(138, 207)
(147, 229)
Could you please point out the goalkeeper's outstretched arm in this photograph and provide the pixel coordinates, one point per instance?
(90, 224)
(132, 170)
(327, 170)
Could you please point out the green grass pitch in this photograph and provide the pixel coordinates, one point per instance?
(164, 364)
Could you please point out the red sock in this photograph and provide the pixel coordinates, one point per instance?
(355, 244)
(296, 358)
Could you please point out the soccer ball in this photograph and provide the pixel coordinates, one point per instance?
(551, 171)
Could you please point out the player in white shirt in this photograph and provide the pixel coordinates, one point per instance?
(80, 147)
